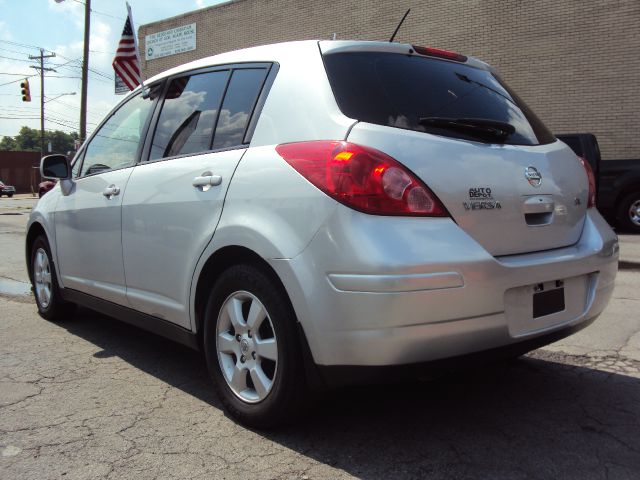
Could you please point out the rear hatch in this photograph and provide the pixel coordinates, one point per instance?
(500, 173)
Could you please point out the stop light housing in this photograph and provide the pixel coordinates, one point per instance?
(26, 92)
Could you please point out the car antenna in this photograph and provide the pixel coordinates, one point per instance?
(398, 27)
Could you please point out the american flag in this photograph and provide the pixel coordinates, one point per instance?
(126, 62)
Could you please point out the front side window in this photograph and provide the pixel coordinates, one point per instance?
(188, 115)
(115, 144)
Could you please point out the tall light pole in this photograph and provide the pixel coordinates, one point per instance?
(85, 71)
(42, 69)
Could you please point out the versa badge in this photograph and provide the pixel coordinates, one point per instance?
(481, 198)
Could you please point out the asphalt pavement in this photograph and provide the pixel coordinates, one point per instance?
(91, 397)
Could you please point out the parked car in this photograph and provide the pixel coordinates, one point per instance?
(7, 190)
(617, 181)
(44, 187)
(321, 213)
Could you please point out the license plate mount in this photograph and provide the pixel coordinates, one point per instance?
(547, 302)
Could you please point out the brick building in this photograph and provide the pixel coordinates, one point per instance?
(21, 169)
(575, 62)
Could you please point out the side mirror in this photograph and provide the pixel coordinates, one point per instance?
(55, 166)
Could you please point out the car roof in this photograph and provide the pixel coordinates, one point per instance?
(278, 52)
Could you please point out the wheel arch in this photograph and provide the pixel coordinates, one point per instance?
(230, 255)
(219, 261)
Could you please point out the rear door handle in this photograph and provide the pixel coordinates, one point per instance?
(538, 204)
(111, 191)
(207, 179)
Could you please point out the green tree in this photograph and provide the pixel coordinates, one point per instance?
(7, 143)
(29, 139)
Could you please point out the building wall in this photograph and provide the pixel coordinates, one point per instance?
(21, 169)
(575, 62)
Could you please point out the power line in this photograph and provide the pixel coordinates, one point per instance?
(16, 59)
(93, 70)
(13, 51)
(25, 45)
(99, 116)
(16, 81)
(100, 13)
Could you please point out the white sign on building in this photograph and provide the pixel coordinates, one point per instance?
(170, 42)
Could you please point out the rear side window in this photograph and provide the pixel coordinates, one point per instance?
(423, 94)
(188, 115)
(243, 91)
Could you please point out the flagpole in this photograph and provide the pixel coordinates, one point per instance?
(135, 44)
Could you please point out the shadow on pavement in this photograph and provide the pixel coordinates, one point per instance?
(526, 419)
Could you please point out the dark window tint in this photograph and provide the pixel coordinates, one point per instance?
(115, 145)
(188, 115)
(573, 143)
(239, 101)
(423, 94)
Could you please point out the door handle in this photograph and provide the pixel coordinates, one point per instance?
(206, 180)
(111, 191)
(538, 204)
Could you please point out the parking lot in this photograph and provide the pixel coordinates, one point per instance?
(95, 398)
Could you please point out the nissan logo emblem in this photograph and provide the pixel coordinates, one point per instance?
(533, 176)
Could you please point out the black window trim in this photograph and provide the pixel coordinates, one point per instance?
(143, 134)
(267, 83)
(271, 70)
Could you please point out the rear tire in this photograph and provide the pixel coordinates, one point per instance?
(51, 305)
(629, 212)
(10, 195)
(258, 374)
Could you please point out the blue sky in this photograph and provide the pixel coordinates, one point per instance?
(58, 27)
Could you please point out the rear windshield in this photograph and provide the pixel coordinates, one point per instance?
(410, 92)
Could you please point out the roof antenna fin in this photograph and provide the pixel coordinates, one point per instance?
(398, 27)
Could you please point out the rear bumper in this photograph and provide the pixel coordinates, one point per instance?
(378, 291)
(343, 375)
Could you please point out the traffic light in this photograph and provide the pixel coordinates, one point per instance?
(26, 93)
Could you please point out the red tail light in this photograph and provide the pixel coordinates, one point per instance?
(362, 178)
(591, 202)
(437, 52)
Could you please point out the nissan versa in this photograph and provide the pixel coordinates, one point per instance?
(322, 212)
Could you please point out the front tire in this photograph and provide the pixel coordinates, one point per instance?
(629, 212)
(50, 304)
(251, 347)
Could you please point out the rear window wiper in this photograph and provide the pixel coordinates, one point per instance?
(482, 127)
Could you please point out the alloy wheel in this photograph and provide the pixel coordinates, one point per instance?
(634, 213)
(247, 347)
(42, 277)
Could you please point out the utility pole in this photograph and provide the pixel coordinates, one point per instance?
(85, 71)
(42, 69)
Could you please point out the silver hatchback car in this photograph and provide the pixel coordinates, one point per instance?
(321, 213)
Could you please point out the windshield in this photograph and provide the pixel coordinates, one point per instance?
(409, 91)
